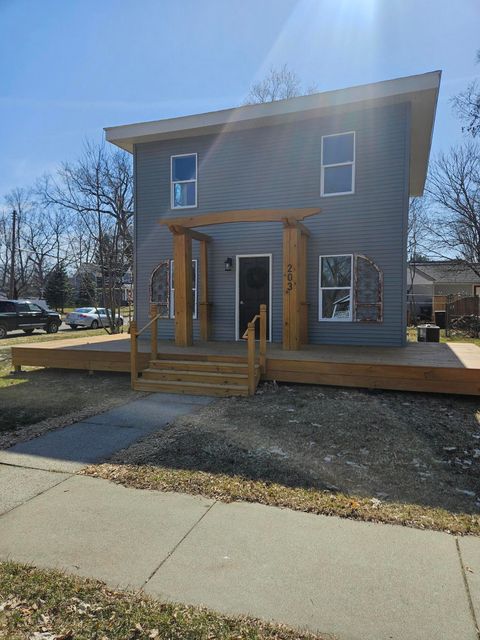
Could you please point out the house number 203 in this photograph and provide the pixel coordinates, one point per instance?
(289, 278)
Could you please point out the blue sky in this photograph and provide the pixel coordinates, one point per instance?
(70, 67)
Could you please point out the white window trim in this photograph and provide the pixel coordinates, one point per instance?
(338, 164)
(173, 183)
(320, 288)
(172, 290)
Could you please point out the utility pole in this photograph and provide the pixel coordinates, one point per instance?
(12, 257)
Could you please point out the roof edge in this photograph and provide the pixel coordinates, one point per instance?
(337, 97)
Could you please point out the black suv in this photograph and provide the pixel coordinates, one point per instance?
(28, 316)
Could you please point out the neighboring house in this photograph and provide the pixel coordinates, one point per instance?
(430, 283)
(88, 279)
(87, 271)
(300, 204)
(127, 288)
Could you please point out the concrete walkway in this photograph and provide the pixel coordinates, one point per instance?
(351, 579)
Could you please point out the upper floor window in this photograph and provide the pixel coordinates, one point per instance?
(338, 164)
(184, 181)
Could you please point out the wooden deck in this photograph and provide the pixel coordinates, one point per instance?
(441, 368)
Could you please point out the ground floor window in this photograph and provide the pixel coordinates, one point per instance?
(172, 288)
(335, 298)
(350, 288)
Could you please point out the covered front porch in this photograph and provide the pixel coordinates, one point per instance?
(184, 230)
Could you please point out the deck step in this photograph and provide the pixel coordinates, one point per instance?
(202, 357)
(213, 377)
(225, 366)
(197, 375)
(191, 388)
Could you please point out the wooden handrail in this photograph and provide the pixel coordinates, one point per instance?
(139, 333)
(249, 335)
(135, 333)
(254, 319)
(133, 352)
(263, 337)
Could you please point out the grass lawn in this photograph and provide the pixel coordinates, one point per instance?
(52, 395)
(400, 458)
(40, 336)
(56, 606)
(123, 310)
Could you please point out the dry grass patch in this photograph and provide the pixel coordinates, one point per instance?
(400, 458)
(37, 400)
(50, 605)
(235, 488)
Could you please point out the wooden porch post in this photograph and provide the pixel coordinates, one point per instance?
(182, 255)
(293, 274)
(154, 331)
(302, 281)
(204, 303)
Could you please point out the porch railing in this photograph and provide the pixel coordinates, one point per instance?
(134, 335)
(249, 335)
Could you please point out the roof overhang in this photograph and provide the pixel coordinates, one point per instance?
(421, 91)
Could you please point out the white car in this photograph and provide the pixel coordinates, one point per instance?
(91, 317)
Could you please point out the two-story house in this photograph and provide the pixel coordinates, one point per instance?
(299, 204)
(288, 219)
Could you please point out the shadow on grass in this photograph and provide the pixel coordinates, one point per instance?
(399, 447)
(39, 394)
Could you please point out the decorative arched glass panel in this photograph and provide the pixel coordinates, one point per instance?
(368, 290)
(160, 288)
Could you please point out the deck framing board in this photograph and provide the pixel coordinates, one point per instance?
(438, 373)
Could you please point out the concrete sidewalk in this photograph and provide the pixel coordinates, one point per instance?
(96, 438)
(352, 579)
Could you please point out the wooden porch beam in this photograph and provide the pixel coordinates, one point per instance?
(292, 222)
(241, 215)
(302, 280)
(195, 235)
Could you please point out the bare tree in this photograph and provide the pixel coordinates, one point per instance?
(417, 246)
(98, 188)
(44, 237)
(5, 247)
(454, 188)
(418, 230)
(278, 84)
(40, 243)
(467, 106)
(21, 201)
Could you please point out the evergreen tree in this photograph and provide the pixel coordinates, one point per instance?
(87, 291)
(58, 289)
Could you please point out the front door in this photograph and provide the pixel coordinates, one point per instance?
(253, 290)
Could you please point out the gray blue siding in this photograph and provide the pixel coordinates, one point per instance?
(279, 166)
